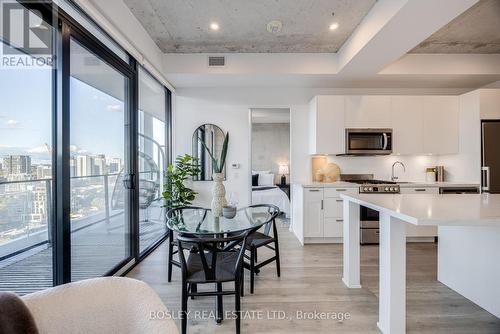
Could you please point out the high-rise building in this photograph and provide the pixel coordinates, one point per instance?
(84, 165)
(115, 165)
(99, 165)
(17, 164)
(43, 172)
(72, 167)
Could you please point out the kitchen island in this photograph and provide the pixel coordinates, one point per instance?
(468, 249)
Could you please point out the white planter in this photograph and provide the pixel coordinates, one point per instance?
(219, 195)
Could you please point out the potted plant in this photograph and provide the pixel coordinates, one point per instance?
(219, 192)
(177, 193)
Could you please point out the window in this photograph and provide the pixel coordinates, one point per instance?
(99, 204)
(69, 142)
(25, 159)
(152, 159)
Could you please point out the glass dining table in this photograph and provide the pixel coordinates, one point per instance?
(201, 222)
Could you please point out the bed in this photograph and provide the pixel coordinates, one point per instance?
(271, 195)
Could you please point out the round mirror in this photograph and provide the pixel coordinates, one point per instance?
(213, 137)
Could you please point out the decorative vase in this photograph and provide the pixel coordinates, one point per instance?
(219, 195)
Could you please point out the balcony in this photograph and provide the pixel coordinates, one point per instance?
(97, 227)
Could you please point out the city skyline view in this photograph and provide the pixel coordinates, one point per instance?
(25, 124)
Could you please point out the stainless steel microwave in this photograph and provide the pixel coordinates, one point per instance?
(368, 141)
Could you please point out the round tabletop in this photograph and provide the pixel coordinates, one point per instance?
(202, 221)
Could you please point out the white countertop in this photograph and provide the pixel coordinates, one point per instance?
(434, 210)
(404, 184)
(437, 184)
(338, 184)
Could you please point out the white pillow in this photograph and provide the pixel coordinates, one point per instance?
(266, 179)
(260, 172)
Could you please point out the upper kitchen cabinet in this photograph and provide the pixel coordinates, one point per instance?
(441, 124)
(326, 124)
(368, 111)
(408, 124)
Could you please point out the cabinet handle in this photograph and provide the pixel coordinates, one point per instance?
(321, 204)
(341, 189)
(339, 200)
(314, 190)
(340, 220)
(420, 189)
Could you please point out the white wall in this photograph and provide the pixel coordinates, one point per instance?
(270, 147)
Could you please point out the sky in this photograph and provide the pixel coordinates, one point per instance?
(25, 116)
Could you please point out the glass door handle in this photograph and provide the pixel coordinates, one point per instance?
(129, 181)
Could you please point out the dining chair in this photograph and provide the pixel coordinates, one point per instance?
(212, 264)
(257, 240)
(172, 241)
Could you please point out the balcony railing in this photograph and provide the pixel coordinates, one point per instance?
(25, 209)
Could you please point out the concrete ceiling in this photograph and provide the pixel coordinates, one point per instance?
(477, 30)
(182, 26)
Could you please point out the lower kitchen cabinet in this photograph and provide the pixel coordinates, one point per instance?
(322, 214)
(313, 213)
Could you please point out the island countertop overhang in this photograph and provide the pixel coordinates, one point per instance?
(435, 210)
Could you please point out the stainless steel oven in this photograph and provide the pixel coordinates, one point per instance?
(369, 221)
(368, 141)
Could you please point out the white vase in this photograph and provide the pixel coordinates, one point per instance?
(219, 195)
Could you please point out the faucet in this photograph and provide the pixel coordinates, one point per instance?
(394, 178)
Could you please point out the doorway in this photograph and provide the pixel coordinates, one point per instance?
(270, 157)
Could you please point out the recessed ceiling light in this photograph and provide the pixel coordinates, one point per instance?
(334, 26)
(214, 26)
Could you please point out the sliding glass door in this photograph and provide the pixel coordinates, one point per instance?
(84, 143)
(152, 160)
(26, 183)
(100, 217)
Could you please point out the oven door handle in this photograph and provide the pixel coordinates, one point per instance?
(384, 135)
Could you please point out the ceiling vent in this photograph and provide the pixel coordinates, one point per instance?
(216, 61)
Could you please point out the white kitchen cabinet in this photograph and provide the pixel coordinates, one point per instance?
(368, 111)
(326, 124)
(441, 124)
(323, 214)
(313, 212)
(332, 227)
(408, 124)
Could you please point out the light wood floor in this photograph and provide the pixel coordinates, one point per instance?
(311, 280)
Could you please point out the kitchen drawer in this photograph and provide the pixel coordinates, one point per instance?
(420, 190)
(333, 228)
(333, 207)
(335, 192)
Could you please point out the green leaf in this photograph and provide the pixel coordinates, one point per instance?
(224, 152)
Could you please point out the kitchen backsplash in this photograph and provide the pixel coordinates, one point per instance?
(380, 166)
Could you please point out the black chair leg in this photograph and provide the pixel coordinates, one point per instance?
(220, 307)
(184, 308)
(170, 256)
(194, 289)
(237, 307)
(277, 250)
(252, 268)
(242, 285)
